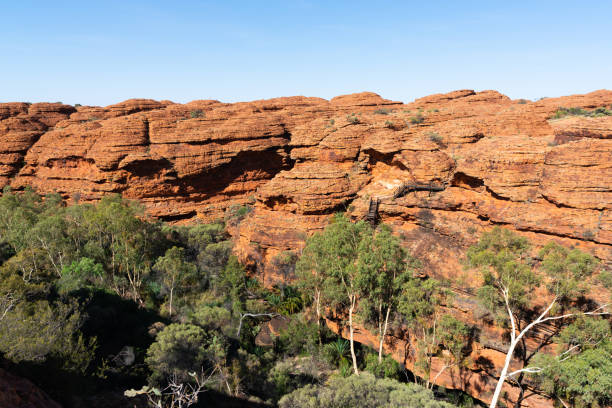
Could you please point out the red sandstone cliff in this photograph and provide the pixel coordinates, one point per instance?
(445, 167)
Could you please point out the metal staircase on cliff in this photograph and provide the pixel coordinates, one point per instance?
(372, 215)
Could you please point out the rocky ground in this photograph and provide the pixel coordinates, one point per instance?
(444, 168)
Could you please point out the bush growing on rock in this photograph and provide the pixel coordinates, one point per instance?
(415, 120)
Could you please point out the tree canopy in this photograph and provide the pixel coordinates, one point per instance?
(364, 390)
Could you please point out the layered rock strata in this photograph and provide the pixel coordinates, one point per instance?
(445, 168)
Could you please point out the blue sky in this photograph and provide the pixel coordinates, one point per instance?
(102, 52)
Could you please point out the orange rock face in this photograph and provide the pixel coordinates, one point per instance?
(445, 168)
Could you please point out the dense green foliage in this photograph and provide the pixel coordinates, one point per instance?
(582, 377)
(508, 268)
(361, 391)
(421, 308)
(524, 291)
(355, 272)
(97, 299)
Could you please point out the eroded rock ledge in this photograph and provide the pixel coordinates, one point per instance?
(445, 168)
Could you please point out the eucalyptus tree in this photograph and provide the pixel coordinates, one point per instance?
(343, 280)
(176, 272)
(422, 307)
(118, 233)
(384, 268)
(328, 268)
(511, 279)
(580, 375)
(310, 271)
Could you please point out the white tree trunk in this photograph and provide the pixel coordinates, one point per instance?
(503, 375)
(351, 331)
(382, 336)
(170, 305)
(318, 308)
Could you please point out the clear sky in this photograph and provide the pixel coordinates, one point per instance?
(103, 52)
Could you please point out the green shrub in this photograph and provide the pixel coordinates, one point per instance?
(79, 274)
(352, 119)
(236, 213)
(298, 337)
(196, 114)
(584, 379)
(212, 318)
(435, 137)
(361, 391)
(387, 368)
(183, 348)
(336, 352)
(40, 331)
(417, 119)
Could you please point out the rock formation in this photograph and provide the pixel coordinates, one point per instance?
(17, 392)
(445, 168)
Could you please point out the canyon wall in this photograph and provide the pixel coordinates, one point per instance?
(443, 169)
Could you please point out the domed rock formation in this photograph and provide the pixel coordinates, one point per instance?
(445, 168)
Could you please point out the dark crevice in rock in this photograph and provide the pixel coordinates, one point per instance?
(342, 207)
(387, 158)
(221, 142)
(464, 181)
(495, 195)
(68, 159)
(273, 201)
(476, 138)
(555, 203)
(178, 217)
(147, 167)
(566, 136)
(245, 166)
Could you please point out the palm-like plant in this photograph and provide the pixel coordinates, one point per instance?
(337, 351)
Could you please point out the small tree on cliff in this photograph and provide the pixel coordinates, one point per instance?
(329, 267)
(384, 269)
(342, 284)
(578, 379)
(311, 272)
(511, 279)
(434, 332)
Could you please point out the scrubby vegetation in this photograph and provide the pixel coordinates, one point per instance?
(597, 112)
(102, 306)
(415, 120)
(352, 119)
(361, 391)
(198, 113)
